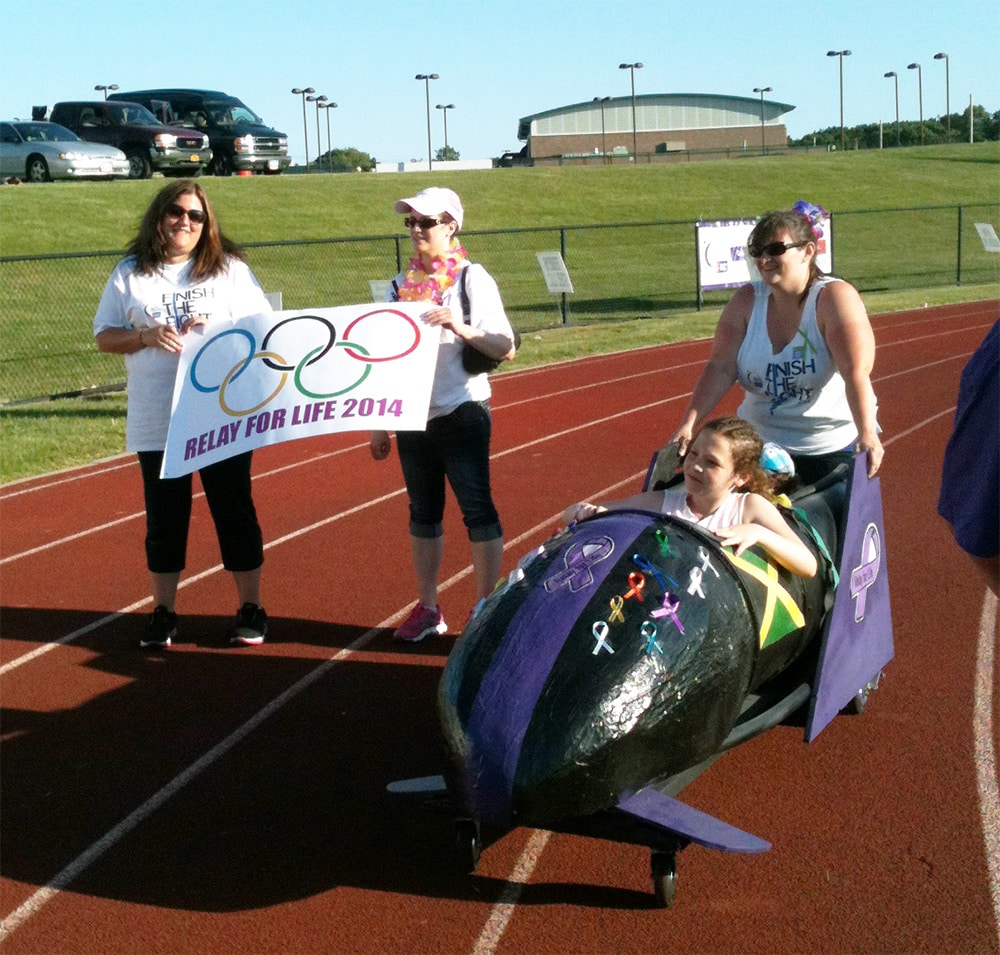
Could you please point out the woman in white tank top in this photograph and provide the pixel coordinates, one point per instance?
(801, 346)
(722, 489)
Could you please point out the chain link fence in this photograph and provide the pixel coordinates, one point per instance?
(619, 272)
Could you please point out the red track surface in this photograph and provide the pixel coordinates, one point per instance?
(212, 800)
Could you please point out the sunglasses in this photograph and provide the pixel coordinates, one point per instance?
(425, 224)
(176, 211)
(773, 249)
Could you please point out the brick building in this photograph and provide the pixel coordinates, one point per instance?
(667, 126)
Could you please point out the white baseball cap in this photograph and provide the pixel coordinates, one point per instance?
(433, 201)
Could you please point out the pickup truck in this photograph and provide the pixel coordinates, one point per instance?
(240, 140)
(149, 145)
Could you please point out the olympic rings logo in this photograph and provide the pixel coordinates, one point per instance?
(271, 357)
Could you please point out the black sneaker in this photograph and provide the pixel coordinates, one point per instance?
(160, 630)
(251, 626)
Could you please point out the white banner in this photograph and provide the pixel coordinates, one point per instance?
(722, 253)
(286, 375)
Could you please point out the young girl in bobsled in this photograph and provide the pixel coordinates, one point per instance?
(725, 491)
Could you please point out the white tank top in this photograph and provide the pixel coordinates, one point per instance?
(728, 513)
(796, 397)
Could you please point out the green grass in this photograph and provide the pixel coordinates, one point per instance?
(84, 217)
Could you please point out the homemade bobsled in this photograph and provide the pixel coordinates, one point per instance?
(630, 651)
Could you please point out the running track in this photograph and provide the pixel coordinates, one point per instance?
(212, 800)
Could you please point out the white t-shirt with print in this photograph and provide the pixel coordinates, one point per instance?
(132, 300)
(453, 385)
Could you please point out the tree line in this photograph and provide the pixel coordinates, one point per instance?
(933, 131)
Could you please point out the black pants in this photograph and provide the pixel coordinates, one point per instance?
(168, 514)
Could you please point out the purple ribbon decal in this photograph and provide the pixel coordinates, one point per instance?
(669, 609)
(579, 558)
(864, 575)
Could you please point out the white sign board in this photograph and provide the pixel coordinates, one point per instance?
(554, 271)
(723, 261)
(270, 378)
(988, 235)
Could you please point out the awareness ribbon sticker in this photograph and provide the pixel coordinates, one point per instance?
(643, 563)
(706, 561)
(665, 549)
(616, 610)
(601, 636)
(635, 584)
(669, 609)
(648, 630)
(694, 585)
(578, 560)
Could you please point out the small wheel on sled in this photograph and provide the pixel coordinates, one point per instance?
(856, 706)
(663, 866)
(468, 842)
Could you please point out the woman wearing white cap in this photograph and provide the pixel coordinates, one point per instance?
(456, 443)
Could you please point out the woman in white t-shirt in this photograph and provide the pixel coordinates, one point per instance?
(182, 272)
(456, 443)
(724, 491)
(801, 346)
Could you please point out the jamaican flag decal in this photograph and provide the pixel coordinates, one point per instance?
(781, 615)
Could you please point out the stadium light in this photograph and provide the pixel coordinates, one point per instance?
(947, 90)
(920, 91)
(104, 89)
(319, 142)
(895, 78)
(762, 90)
(427, 77)
(604, 147)
(632, 67)
(329, 148)
(305, 124)
(841, 54)
(444, 112)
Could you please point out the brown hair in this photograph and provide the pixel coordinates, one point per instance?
(213, 251)
(746, 446)
(795, 224)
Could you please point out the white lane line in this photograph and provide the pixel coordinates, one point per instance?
(503, 911)
(984, 735)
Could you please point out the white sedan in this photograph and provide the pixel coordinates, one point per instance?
(40, 152)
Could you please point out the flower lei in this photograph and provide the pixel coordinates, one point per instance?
(421, 286)
(814, 215)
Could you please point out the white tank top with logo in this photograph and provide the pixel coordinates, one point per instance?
(796, 397)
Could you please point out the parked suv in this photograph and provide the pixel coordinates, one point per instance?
(240, 141)
(148, 143)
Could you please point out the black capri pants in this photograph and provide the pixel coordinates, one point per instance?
(168, 514)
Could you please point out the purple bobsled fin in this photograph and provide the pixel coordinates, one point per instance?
(691, 824)
(857, 639)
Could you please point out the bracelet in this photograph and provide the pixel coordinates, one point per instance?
(142, 331)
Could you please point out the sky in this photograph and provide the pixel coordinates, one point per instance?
(500, 60)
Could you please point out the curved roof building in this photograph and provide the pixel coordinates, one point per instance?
(664, 123)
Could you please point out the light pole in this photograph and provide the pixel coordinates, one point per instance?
(604, 147)
(762, 90)
(329, 148)
(947, 89)
(920, 91)
(319, 142)
(632, 67)
(895, 78)
(427, 77)
(305, 124)
(105, 89)
(841, 54)
(444, 111)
